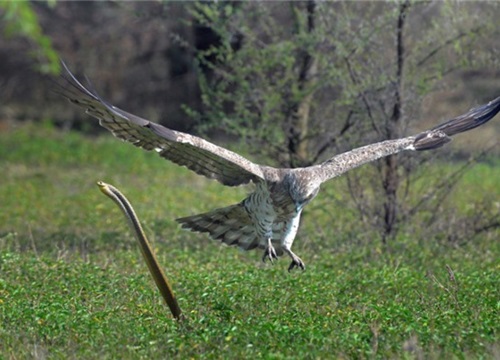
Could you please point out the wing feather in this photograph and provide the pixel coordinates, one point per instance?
(195, 153)
(427, 140)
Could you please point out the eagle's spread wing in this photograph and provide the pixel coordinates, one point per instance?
(196, 154)
(427, 140)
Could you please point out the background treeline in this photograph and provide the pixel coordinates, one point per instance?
(126, 48)
(142, 55)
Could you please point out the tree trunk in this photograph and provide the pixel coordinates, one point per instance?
(390, 181)
(298, 117)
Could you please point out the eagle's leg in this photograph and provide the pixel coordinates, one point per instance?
(270, 252)
(296, 261)
(291, 228)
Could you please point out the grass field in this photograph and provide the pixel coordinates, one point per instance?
(73, 283)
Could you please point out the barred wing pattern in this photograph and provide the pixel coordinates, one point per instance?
(473, 118)
(233, 226)
(195, 153)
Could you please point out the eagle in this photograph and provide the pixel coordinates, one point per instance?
(268, 218)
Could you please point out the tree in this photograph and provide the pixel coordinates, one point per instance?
(313, 78)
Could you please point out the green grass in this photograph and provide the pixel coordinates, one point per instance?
(73, 283)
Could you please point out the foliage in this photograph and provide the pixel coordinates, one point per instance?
(249, 88)
(369, 67)
(73, 284)
(21, 20)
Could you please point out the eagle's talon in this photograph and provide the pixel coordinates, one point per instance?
(297, 262)
(270, 253)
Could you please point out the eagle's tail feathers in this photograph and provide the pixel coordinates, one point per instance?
(231, 225)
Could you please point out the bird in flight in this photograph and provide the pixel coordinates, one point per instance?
(269, 217)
